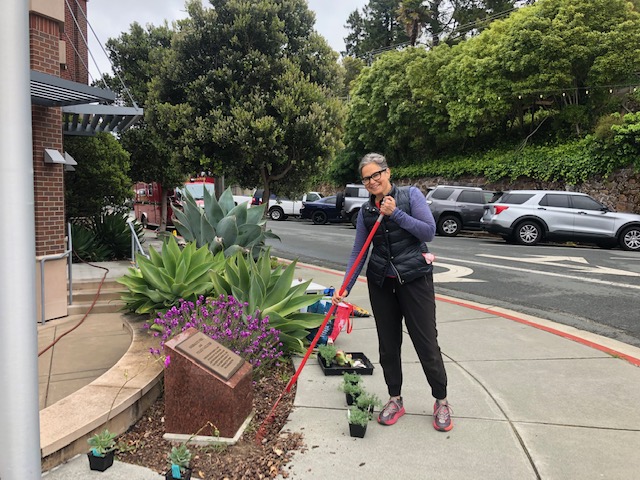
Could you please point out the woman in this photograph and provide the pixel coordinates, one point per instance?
(400, 281)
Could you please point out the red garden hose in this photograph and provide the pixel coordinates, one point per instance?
(294, 378)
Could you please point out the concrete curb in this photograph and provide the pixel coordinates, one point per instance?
(115, 400)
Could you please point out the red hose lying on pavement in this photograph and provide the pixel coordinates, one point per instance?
(263, 426)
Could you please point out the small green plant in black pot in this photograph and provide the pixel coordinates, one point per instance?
(180, 459)
(351, 387)
(102, 450)
(328, 353)
(358, 421)
(368, 402)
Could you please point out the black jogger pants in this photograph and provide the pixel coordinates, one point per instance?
(415, 302)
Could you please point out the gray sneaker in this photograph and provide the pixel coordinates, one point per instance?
(391, 412)
(442, 417)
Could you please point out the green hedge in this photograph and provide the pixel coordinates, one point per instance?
(572, 162)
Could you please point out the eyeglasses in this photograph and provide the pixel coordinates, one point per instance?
(374, 176)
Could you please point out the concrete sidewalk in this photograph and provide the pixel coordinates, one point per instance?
(531, 400)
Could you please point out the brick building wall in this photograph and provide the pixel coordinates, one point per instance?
(48, 178)
(76, 67)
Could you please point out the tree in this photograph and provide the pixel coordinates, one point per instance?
(376, 28)
(352, 68)
(546, 70)
(255, 90)
(384, 24)
(136, 56)
(414, 15)
(567, 52)
(100, 178)
(471, 17)
(383, 110)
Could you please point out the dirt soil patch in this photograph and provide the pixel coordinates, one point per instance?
(143, 444)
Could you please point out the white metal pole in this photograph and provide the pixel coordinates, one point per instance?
(19, 412)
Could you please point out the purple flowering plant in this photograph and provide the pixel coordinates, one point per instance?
(223, 319)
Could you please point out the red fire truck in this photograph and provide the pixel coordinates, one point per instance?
(148, 199)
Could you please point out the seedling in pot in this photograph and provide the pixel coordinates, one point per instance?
(351, 378)
(351, 390)
(102, 443)
(358, 417)
(328, 353)
(368, 402)
(102, 450)
(180, 458)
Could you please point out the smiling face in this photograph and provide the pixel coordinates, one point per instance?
(377, 186)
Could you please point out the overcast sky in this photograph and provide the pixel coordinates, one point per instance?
(109, 18)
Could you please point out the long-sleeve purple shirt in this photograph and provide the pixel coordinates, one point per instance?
(420, 224)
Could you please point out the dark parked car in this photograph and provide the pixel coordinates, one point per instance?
(457, 208)
(321, 211)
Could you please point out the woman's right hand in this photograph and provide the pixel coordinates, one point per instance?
(337, 298)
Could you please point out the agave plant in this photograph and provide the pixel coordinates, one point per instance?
(86, 245)
(161, 281)
(113, 231)
(270, 293)
(222, 225)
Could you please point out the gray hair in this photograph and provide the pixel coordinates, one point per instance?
(373, 158)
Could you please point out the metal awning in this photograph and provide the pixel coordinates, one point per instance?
(92, 119)
(51, 91)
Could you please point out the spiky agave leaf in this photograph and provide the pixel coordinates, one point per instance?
(160, 282)
(223, 225)
(270, 292)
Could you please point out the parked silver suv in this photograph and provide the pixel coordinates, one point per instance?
(531, 216)
(456, 208)
(349, 202)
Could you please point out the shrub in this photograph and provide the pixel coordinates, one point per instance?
(269, 292)
(161, 281)
(86, 246)
(225, 321)
(222, 225)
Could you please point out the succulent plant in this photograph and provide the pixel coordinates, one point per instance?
(222, 225)
(161, 281)
(102, 443)
(269, 292)
(180, 456)
(86, 245)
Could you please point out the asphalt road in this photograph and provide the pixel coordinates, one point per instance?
(587, 287)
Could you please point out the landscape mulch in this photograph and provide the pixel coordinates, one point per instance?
(248, 459)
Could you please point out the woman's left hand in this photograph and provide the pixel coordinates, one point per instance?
(388, 205)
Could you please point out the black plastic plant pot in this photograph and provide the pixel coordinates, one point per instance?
(100, 464)
(351, 399)
(357, 430)
(335, 369)
(185, 476)
(369, 409)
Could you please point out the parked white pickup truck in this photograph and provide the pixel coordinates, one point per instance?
(280, 208)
